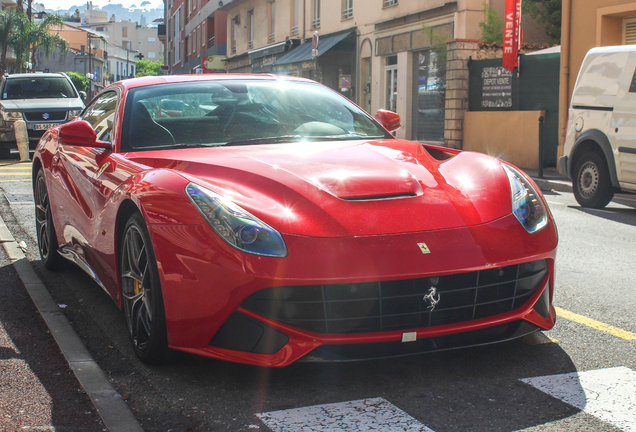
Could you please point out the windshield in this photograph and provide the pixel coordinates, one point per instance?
(38, 88)
(240, 112)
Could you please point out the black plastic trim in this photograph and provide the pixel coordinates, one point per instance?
(592, 108)
(627, 150)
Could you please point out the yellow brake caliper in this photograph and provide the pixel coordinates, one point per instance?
(138, 287)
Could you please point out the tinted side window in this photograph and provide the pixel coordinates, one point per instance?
(101, 115)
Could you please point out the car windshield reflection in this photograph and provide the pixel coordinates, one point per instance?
(240, 112)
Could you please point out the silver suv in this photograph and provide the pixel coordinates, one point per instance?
(42, 100)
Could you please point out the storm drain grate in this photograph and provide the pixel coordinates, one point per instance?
(19, 198)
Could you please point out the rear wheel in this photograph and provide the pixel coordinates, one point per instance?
(592, 185)
(141, 292)
(47, 241)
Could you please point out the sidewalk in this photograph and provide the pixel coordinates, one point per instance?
(551, 180)
(39, 390)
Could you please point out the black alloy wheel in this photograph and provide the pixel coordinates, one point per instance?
(592, 185)
(141, 292)
(47, 241)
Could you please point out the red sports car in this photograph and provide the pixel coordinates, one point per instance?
(275, 221)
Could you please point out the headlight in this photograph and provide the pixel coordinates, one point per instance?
(237, 227)
(74, 113)
(11, 115)
(526, 204)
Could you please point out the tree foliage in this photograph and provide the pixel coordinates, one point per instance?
(546, 13)
(25, 37)
(80, 81)
(147, 68)
(492, 26)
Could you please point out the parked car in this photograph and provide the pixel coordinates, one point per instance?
(600, 149)
(283, 223)
(42, 100)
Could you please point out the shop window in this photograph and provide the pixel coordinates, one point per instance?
(315, 21)
(429, 95)
(347, 9)
(391, 70)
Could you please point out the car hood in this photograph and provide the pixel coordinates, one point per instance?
(42, 104)
(348, 188)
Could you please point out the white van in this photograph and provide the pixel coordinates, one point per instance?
(600, 145)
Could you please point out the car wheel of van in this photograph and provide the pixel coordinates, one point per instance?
(592, 185)
(47, 241)
(141, 293)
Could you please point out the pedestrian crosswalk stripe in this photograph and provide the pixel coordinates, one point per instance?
(595, 324)
(376, 414)
(607, 394)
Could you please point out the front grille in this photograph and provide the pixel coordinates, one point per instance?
(400, 304)
(38, 116)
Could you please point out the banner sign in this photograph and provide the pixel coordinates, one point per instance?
(512, 34)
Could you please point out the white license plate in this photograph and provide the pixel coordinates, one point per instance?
(45, 126)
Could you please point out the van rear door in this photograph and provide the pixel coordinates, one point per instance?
(622, 133)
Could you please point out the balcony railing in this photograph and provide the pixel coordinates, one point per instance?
(187, 57)
(211, 42)
(161, 30)
(294, 30)
(315, 23)
(250, 44)
(271, 38)
(347, 13)
(187, 20)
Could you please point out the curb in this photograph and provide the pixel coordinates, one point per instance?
(555, 185)
(113, 410)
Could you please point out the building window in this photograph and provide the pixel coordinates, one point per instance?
(204, 36)
(347, 9)
(391, 69)
(271, 14)
(101, 29)
(124, 31)
(388, 3)
(235, 25)
(250, 29)
(629, 31)
(295, 14)
(315, 21)
(151, 40)
(152, 54)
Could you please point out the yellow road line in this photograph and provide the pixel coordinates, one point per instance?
(623, 334)
(16, 180)
(16, 173)
(14, 167)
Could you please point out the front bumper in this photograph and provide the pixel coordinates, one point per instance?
(205, 284)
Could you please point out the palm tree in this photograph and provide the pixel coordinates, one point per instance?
(9, 23)
(34, 35)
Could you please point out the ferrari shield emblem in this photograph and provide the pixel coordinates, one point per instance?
(424, 248)
(102, 169)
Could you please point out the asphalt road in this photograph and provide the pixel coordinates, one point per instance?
(477, 389)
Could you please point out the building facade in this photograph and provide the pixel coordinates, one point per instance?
(587, 24)
(195, 29)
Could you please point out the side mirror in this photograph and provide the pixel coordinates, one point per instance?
(83, 95)
(390, 120)
(80, 133)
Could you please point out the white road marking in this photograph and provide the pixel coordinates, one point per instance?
(608, 394)
(375, 414)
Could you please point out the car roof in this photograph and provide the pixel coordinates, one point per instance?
(166, 79)
(37, 75)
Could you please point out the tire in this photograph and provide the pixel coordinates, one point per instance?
(47, 240)
(141, 292)
(592, 185)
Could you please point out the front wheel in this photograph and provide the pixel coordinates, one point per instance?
(47, 240)
(592, 184)
(141, 293)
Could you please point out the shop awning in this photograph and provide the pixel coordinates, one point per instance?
(303, 51)
(269, 50)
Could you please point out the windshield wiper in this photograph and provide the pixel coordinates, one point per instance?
(266, 140)
(174, 146)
